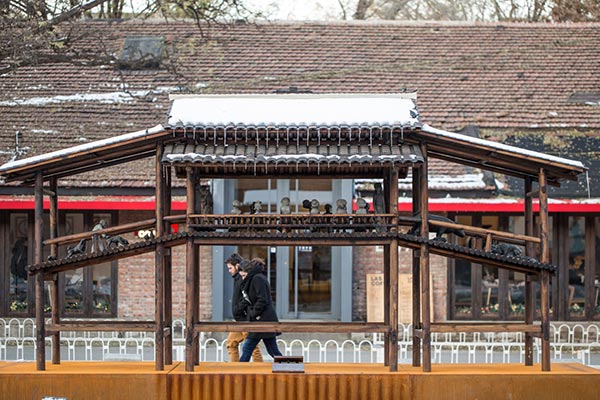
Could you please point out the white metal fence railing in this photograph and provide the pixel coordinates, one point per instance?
(575, 342)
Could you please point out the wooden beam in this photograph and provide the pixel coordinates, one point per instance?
(393, 300)
(189, 307)
(386, 280)
(516, 238)
(130, 148)
(102, 326)
(40, 353)
(190, 283)
(54, 285)
(425, 273)
(386, 304)
(317, 326)
(416, 274)
(454, 327)
(393, 268)
(168, 272)
(476, 276)
(529, 289)
(159, 257)
(113, 230)
(99, 258)
(544, 257)
(273, 240)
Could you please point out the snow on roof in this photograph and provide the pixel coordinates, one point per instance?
(295, 109)
(105, 98)
(435, 181)
(82, 147)
(501, 146)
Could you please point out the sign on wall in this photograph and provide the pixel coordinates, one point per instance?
(375, 298)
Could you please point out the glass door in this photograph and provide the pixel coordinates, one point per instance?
(302, 278)
(310, 288)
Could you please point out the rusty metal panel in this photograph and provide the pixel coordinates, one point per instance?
(255, 381)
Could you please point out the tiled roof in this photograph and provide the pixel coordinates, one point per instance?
(241, 159)
(490, 75)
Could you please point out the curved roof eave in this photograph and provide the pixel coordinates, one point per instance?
(86, 157)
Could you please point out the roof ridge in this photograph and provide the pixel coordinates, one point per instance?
(422, 23)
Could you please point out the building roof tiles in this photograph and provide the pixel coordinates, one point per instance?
(508, 76)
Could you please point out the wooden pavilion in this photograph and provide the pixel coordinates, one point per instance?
(308, 136)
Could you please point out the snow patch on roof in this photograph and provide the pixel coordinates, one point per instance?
(436, 182)
(104, 98)
(449, 182)
(46, 131)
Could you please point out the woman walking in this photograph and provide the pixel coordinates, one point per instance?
(256, 298)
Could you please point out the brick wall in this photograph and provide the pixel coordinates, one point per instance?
(368, 260)
(136, 278)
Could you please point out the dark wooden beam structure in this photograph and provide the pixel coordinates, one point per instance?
(382, 151)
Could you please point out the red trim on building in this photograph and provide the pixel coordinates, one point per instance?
(143, 203)
(121, 203)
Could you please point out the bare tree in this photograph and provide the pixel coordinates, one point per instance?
(466, 10)
(361, 9)
(34, 32)
(576, 10)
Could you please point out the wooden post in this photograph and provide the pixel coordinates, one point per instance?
(40, 353)
(476, 275)
(416, 274)
(167, 283)
(393, 268)
(196, 272)
(425, 289)
(386, 281)
(386, 304)
(159, 292)
(54, 302)
(196, 303)
(190, 283)
(529, 289)
(503, 275)
(545, 258)
(189, 307)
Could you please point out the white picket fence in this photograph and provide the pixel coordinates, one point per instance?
(573, 342)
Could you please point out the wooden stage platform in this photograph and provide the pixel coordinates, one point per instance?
(255, 381)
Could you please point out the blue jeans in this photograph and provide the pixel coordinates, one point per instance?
(251, 343)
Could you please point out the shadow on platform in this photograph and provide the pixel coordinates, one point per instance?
(255, 381)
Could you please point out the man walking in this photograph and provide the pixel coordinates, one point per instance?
(239, 313)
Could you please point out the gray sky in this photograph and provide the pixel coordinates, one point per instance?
(300, 9)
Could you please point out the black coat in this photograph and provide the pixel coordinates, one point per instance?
(258, 289)
(238, 308)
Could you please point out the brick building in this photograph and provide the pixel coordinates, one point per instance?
(532, 85)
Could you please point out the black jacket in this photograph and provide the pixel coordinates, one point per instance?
(258, 289)
(238, 309)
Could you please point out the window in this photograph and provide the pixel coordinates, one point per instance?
(20, 249)
(576, 268)
(144, 52)
(84, 292)
(596, 270)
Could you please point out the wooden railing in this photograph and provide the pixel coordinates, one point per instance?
(294, 222)
(490, 235)
(114, 230)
